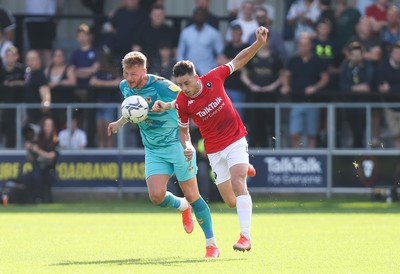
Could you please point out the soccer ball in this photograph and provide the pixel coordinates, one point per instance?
(135, 109)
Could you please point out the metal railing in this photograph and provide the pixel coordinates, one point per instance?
(280, 133)
(281, 110)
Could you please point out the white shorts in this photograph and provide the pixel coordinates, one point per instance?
(222, 161)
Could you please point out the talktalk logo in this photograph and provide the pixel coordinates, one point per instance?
(293, 165)
(211, 106)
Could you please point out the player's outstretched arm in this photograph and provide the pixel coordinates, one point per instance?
(160, 106)
(115, 126)
(246, 54)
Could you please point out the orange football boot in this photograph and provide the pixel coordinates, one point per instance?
(251, 171)
(243, 244)
(187, 219)
(212, 252)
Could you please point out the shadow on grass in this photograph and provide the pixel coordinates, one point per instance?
(260, 206)
(165, 261)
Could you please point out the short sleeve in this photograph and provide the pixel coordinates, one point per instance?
(222, 72)
(169, 91)
(181, 109)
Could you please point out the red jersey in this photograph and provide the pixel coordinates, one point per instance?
(212, 111)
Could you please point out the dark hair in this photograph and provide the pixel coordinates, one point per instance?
(157, 7)
(325, 2)
(325, 21)
(236, 27)
(53, 135)
(199, 10)
(165, 44)
(183, 67)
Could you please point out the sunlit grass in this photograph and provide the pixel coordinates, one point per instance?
(289, 236)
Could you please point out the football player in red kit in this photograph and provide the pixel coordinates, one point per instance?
(204, 100)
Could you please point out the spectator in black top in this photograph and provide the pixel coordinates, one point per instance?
(148, 4)
(60, 75)
(327, 13)
(233, 85)
(6, 31)
(347, 18)
(356, 76)
(389, 82)
(163, 64)
(37, 89)
(275, 40)
(12, 81)
(326, 49)
(154, 34)
(107, 76)
(211, 19)
(7, 23)
(262, 76)
(42, 153)
(123, 28)
(305, 75)
(12, 72)
(97, 8)
(372, 53)
(364, 35)
(42, 31)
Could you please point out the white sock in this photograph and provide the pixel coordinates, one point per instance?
(244, 207)
(184, 204)
(211, 241)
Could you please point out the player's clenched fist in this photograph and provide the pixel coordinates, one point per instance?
(160, 106)
(262, 34)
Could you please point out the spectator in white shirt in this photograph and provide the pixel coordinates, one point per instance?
(303, 15)
(234, 8)
(246, 22)
(74, 138)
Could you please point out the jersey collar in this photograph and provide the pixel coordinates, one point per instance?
(200, 91)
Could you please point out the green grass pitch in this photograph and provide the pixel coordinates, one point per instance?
(289, 236)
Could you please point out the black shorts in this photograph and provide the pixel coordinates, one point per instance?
(41, 34)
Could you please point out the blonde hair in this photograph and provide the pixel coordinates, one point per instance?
(134, 58)
(12, 49)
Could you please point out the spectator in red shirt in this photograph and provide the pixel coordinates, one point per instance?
(377, 13)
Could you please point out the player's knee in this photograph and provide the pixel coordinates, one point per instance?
(192, 197)
(230, 200)
(156, 199)
(239, 187)
(231, 203)
(238, 182)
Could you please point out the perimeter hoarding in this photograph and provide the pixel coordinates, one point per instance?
(365, 171)
(109, 170)
(84, 170)
(289, 170)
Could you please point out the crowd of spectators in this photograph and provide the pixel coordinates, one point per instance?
(336, 47)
